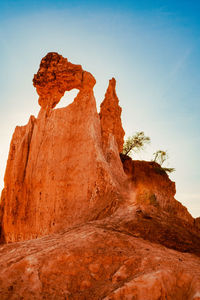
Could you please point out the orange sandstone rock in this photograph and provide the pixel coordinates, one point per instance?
(152, 185)
(64, 176)
(56, 76)
(98, 260)
(110, 116)
(57, 175)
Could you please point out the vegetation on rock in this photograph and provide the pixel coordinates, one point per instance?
(160, 157)
(135, 143)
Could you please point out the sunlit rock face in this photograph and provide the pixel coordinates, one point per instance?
(57, 174)
(110, 116)
(55, 76)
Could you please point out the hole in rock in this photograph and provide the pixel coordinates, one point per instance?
(68, 98)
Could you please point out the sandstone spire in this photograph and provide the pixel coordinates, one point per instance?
(110, 116)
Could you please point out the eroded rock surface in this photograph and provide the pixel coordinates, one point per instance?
(57, 174)
(113, 227)
(110, 116)
(97, 261)
(57, 75)
(151, 185)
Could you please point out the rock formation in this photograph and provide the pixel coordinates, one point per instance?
(92, 223)
(110, 116)
(152, 185)
(57, 175)
(56, 76)
(96, 261)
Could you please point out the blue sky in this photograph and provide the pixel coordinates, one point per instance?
(152, 48)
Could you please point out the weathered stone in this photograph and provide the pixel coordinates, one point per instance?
(110, 116)
(56, 76)
(97, 261)
(118, 231)
(57, 174)
(151, 185)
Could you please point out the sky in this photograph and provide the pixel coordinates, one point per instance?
(151, 47)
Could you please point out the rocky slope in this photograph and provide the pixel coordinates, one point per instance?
(98, 260)
(92, 224)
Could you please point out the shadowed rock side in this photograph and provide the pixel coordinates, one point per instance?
(57, 174)
(159, 217)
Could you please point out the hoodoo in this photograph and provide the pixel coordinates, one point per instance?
(57, 174)
(80, 220)
(110, 116)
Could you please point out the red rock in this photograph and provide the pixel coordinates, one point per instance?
(197, 223)
(57, 175)
(110, 116)
(151, 185)
(56, 76)
(58, 266)
(112, 231)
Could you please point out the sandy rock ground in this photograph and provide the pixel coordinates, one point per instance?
(94, 261)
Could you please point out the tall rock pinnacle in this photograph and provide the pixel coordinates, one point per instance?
(110, 116)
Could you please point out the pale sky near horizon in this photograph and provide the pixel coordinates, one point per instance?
(152, 48)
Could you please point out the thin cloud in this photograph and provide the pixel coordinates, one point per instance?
(180, 63)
